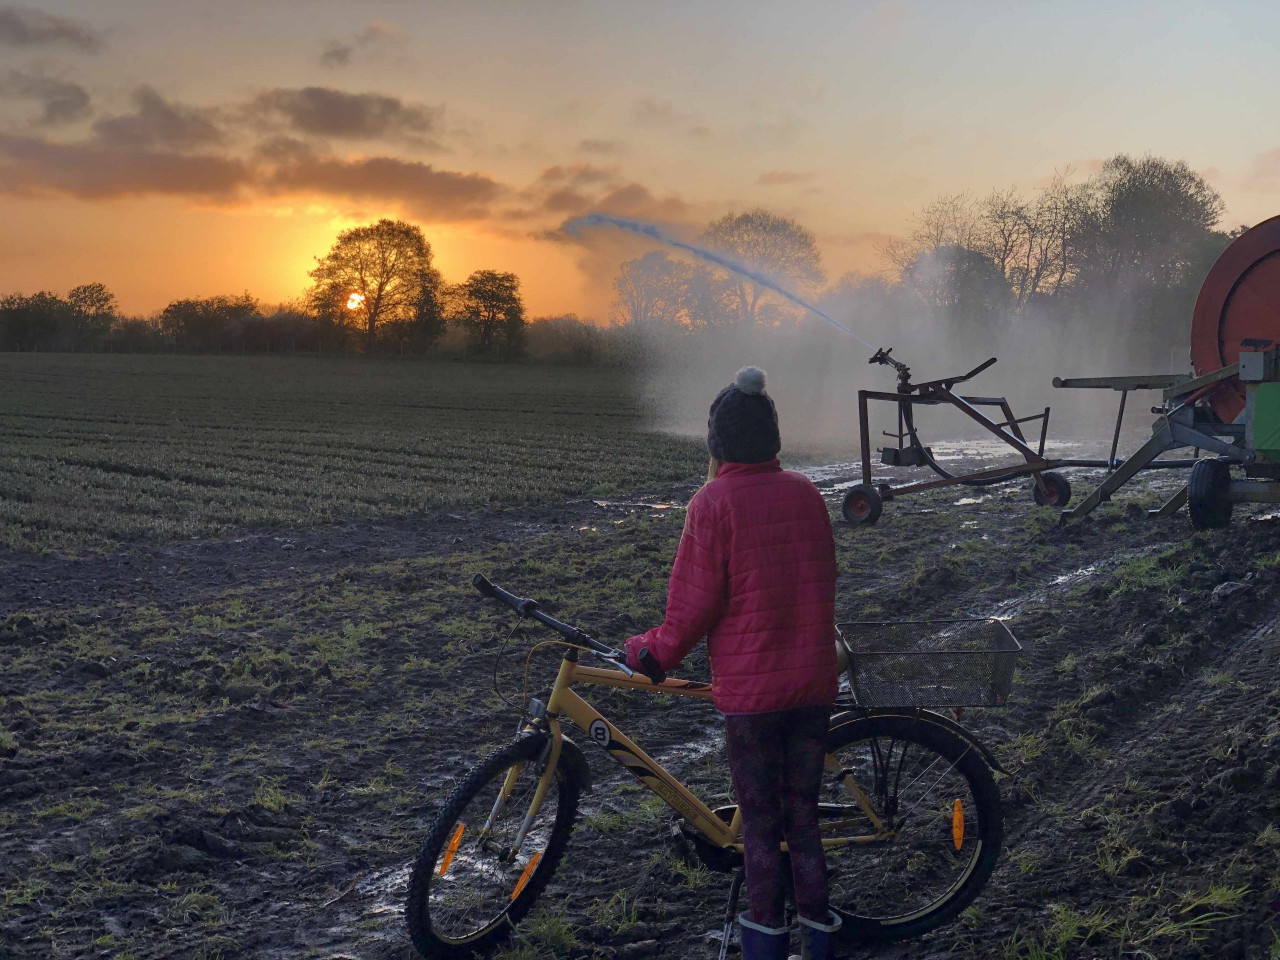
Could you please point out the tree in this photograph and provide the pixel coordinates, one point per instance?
(209, 323)
(656, 292)
(380, 274)
(92, 300)
(774, 246)
(488, 304)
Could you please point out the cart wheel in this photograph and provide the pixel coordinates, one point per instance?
(1207, 502)
(1058, 493)
(862, 504)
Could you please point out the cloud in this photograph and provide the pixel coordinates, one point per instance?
(326, 112)
(337, 53)
(61, 101)
(159, 123)
(776, 178)
(95, 171)
(579, 174)
(600, 146)
(636, 200)
(25, 27)
(1264, 172)
(435, 194)
(657, 113)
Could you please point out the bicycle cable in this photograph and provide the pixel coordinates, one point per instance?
(497, 662)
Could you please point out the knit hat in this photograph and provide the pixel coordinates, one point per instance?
(742, 426)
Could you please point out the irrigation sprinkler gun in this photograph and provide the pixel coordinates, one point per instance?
(864, 502)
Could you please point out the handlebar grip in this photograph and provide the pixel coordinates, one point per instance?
(649, 665)
(490, 589)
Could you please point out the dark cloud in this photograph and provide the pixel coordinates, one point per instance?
(655, 113)
(566, 200)
(95, 171)
(337, 53)
(431, 193)
(600, 146)
(287, 150)
(25, 27)
(92, 170)
(579, 174)
(636, 200)
(775, 178)
(60, 100)
(158, 123)
(326, 112)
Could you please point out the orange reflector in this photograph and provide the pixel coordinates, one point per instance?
(528, 872)
(451, 850)
(957, 824)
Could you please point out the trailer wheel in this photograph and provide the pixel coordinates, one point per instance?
(862, 504)
(1058, 493)
(1207, 501)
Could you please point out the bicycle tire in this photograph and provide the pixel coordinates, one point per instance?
(869, 915)
(513, 888)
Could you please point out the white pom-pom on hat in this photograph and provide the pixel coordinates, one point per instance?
(750, 380)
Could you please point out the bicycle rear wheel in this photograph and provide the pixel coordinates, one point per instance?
(471, 884)
(936, 810)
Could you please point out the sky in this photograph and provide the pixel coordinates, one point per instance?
(199, 148)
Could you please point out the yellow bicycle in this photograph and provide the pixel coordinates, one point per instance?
(910, 812)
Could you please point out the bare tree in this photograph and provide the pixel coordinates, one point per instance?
(768, 244)
(655, 291)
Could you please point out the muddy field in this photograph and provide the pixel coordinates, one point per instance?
(231, 748)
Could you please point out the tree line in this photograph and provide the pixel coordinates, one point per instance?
(1116, 259)
(376, 291)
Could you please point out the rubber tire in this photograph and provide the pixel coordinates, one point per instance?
(969, 762)
(1207, 502)
(869, 504)
(1059, 490)
(525, 749)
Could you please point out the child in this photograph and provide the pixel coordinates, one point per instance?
(755, 574)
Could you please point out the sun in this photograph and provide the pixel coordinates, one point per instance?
(355, 301)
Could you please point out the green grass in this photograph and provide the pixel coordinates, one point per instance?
(99, 449)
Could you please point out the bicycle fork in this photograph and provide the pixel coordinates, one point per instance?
(549, 761)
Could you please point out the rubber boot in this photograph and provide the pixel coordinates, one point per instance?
(818, 940)
(763, 943)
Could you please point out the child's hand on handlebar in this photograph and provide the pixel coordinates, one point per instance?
(642, 661)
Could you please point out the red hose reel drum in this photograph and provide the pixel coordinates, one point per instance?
(1239, 300)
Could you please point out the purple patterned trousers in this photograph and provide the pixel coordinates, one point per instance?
(776, 761)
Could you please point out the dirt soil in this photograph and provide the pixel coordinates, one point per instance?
(232, 748)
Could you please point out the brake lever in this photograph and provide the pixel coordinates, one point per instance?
(621, 664)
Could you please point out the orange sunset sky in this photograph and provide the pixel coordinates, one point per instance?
(195, 148)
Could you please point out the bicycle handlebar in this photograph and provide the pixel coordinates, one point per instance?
(527, 607)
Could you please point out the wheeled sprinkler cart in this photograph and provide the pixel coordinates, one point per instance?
(1229, 406)
(864, 502)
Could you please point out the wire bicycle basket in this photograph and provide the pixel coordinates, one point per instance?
(930, 663)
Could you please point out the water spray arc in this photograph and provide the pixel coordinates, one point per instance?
(654, 232)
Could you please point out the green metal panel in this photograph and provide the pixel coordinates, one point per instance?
(1264, 420)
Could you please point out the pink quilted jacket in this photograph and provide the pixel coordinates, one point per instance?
(755, 574)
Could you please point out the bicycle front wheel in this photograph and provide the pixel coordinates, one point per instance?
(486, 860)
(920, 814)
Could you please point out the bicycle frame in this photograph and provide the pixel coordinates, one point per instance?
(564, 702)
